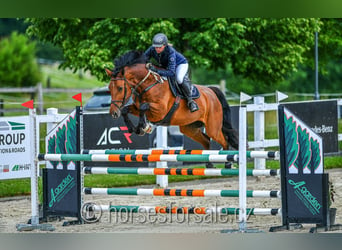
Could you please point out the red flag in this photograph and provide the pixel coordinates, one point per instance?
(28, 104)
(78, 97)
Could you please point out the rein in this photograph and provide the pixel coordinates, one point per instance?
(134, 88)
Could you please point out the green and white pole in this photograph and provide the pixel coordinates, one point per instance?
(182, 210)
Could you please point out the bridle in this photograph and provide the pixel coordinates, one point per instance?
(134, 88)
(123, 101)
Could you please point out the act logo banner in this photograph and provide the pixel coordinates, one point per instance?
(107, 136)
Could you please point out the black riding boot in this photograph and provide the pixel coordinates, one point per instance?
(186, 88)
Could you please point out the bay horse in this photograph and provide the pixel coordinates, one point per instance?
(135, 89)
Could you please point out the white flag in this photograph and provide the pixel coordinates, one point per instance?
(244, 97)
(280, 96)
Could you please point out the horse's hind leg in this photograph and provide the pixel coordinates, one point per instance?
(217, 134)
(195, 133)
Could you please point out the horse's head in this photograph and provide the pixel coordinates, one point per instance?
(119, 92)
(128, 72)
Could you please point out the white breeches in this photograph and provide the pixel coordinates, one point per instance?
(181, 70)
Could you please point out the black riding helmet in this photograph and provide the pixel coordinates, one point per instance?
(159, 40)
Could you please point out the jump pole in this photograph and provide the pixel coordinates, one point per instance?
(179, 171)
(250, 154)
(137, 158)
(242, 169)
(181, 192)
(183, 210)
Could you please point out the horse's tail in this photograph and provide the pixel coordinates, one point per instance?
(227, 128)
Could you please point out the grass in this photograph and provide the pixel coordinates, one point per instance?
(332, 162)
(66, 79)
(22, 186)
(15, 187)
(58, 79)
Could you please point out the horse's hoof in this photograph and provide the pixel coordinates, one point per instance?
(148, 129)
(209, 165)
(115, 115)
(228, 165)
(140, 132)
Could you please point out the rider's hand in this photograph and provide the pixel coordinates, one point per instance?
(150, 66)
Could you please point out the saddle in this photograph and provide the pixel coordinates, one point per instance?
(178, 93)
(176, 90)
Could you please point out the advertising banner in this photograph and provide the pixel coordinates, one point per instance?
(304, 184)
(15, 148)
(101, 131)
(61, 179)
(61, 190)
(321, 116)
(63, 140)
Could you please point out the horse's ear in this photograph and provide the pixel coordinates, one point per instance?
(109, 72)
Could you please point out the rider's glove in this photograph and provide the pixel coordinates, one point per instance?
(150, 66)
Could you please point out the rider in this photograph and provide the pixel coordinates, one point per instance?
(173, 64)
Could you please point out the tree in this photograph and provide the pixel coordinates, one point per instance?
(8, 25)
(263, 50)
(18, 66)
(329, 43)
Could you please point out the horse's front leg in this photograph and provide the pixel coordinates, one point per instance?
(130, 126)
(144, 126)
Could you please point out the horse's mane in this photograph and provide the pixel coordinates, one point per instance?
(129, 58)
